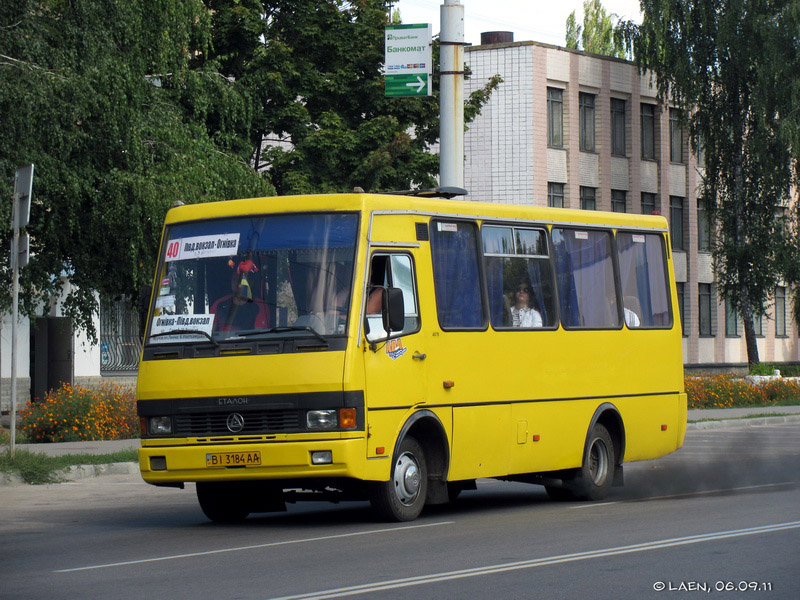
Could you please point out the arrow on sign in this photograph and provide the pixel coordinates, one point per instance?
(419, 84)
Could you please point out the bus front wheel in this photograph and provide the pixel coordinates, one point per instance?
(403, 496)
(222, 503)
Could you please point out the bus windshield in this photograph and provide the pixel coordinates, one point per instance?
(226, 279)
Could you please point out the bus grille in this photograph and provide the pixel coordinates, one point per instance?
(259, 421)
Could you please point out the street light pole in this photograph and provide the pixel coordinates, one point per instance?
(451, 95)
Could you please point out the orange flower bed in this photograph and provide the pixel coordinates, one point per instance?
(75, 413)
(728, 391)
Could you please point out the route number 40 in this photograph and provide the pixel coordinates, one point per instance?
(172, 249)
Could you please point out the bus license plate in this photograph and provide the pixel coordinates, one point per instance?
(233, 459)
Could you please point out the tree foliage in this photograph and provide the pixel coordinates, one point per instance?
(596, 35)
(106, 100)
(126, 107)
(324, 124)
(734, 65)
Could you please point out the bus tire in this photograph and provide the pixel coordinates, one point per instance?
(222, 503)
(403, 496)
(594, 478)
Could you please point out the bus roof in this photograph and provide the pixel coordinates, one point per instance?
(390, 203)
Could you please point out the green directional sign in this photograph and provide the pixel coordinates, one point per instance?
(409, 62)
(408, 85)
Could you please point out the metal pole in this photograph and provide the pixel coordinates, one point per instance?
(14, 313)
(451, 95)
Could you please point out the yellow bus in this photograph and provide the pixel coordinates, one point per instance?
(398, 347)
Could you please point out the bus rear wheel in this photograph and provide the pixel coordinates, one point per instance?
(597, 472)
(403, 496)
(222, 503)
(592, 481)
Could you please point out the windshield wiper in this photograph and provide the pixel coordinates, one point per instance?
(185, 331)
(318, 335)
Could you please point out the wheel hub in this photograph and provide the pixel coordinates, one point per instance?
(407, 479)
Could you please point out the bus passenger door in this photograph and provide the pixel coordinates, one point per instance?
(394, 364)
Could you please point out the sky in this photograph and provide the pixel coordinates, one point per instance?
(530, 20)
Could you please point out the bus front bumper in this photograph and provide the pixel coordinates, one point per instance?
(170, 464)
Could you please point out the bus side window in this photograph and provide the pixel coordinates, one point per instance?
(397, 271)
(519, 277)
(643, 274)
(585, 277)
(456, 275)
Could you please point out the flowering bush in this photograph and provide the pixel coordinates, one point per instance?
(74, 413)
(727, 391)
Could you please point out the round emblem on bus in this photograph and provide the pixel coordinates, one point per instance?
(235, 422)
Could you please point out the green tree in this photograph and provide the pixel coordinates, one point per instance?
(732, 65)
(597, 33)
(121, 119)
(126, 107)
(324, 124)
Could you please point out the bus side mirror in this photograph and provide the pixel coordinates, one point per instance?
(394, 310)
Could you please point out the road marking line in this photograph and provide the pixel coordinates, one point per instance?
(254, 547)
(684, 494)
(538, 562)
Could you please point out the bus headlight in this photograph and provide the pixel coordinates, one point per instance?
(160, 425)
(322, 419)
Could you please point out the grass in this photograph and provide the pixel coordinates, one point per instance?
(37, 468)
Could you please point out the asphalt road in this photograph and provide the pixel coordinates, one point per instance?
(723, 512)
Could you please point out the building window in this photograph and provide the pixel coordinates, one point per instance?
(780, 311)
(758, 325)
(706, 328)
(703, 226)
(731, 320)
(555, 117)
(588, 198)
(617, 127)
(701, 153)
(648, 131)
(619, 201)
(555, 195)
(649, 205)
(587, 122)
(676, 221)
(681, 306)
(675, 136)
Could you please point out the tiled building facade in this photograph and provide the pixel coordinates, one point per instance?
(571, 129)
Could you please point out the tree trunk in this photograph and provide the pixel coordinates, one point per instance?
(746, 304)
(749, 330)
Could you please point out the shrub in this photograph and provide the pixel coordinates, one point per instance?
(74, 413)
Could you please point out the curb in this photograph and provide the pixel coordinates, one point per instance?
(76, 473)
(744, 422)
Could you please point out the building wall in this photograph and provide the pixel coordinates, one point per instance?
(22, 360)
(507, 159)
(85, 355)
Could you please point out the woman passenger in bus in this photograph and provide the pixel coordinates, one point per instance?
(522, 313)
